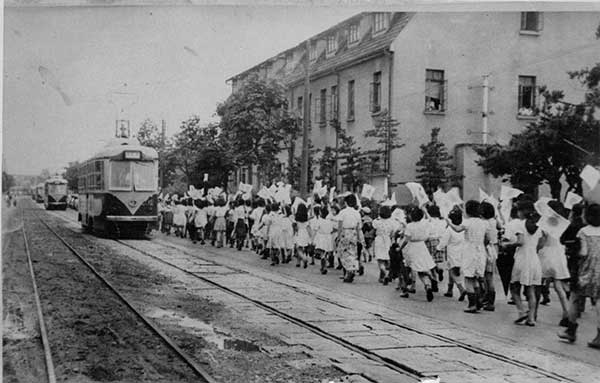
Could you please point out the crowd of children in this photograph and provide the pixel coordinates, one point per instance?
(413, 244)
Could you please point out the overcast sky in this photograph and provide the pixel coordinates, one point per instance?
(67, 71)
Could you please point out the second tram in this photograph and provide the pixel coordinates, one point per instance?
(55, 193)
(118, 190)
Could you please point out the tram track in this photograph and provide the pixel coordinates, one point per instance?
(399, 367)
(38, 305)
(198, 371)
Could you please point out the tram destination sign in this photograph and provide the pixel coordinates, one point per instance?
(132, 155)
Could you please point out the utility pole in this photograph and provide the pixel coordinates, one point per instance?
(306, 115)
(484, 110)
(162, 153)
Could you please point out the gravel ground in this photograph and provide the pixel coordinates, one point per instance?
(93, 336)
(94, 339)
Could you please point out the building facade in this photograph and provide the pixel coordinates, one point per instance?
(434, 70)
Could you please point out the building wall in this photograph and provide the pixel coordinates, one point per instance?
(467, 46)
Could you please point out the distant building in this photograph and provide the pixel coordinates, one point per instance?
(427, 70)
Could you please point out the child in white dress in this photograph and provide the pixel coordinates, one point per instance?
(302, 237)
(453, 242)
(474, 255)
(323, 239)
(416, 255)
(385, 230)
(527, 270)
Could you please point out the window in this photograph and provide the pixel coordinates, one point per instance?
(300, 107)
(375, 94)
(57, 188)
(313, 52)
(353, 34)
(144, 176)
(527, 90)
(323, 108)
(351, 100)
(244, 174)
(333, 108)
(380, 22)
(435, 90)
(332, 44)
(120, 175)
(531, 21)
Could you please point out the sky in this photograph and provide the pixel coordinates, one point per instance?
(69, 73)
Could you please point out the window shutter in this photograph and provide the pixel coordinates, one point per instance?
(520, 97)
(540, 21)
(523, 21)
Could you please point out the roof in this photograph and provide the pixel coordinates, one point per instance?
(119, 145)
(368, 46)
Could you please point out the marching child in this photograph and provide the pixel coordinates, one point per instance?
(201, 220)
(417, 256)
(323, 238)
(474, 255)
(385, 228)
(437, 227)
(303, 235)
(453, 243)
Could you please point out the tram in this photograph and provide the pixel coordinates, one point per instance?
(55, 193)
(39, 192)
(118, 190)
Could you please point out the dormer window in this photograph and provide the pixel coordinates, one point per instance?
(332, 44)
(380, 22)
(353, 34)
(313, 53)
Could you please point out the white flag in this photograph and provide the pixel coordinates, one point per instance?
(572, 199)
(331, 194)
(483, 195)
(160, 196)
(553, 224)
(245, 188)
(508, 193)
(317, 186)
(368, 191)
(454, 196)
(418, 193)
(541, 206)
(322, 192)
(590, 175)
(443, 202)
(264, 193)
(205, 177)
(505, 208)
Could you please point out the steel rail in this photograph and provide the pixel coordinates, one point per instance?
(198, 370)
(392, 364)
(38, 304)
(460, 344)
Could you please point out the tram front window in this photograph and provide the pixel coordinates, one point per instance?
(57, 189)
(144, 176)
(120, 175)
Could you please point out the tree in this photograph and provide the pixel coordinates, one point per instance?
(386, 132)
(214, 157)
(8, 181)
(354, 168)
(149, 135)
(559, 143)
(187, 147)
(254, 120)
(565, 138)
(294, 169)
(434, 168)
(71, 174)
(326, 163)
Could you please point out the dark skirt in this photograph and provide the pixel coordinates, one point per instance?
(240, 228)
